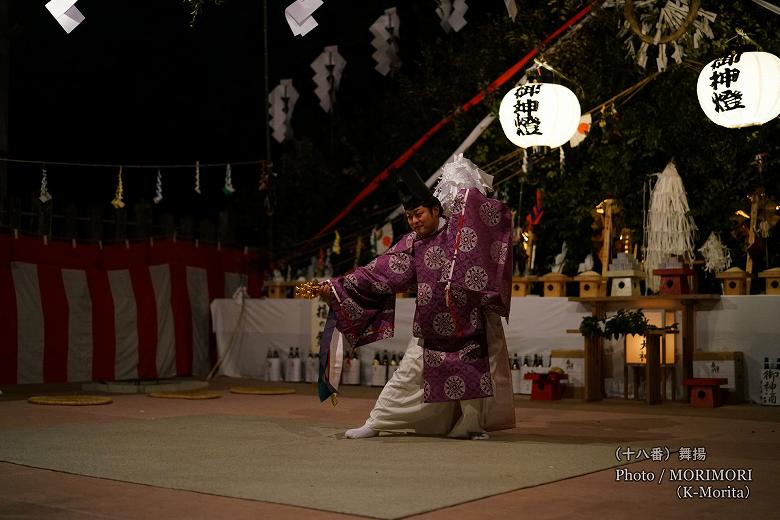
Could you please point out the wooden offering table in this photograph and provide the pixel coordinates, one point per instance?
(687, 304)
(706, 391)
(674, 281)
(522, 285)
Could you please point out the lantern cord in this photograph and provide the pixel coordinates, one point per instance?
(742, 34)
(747, 38)
(128, 166)
(544, 64)
(477, 99)
(630, 92)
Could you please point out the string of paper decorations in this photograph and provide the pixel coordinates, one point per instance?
(45, 195)
(672, 20)
(328, 67)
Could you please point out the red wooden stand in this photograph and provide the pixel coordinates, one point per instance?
(673, 281)
(706, 391)
(546, 387)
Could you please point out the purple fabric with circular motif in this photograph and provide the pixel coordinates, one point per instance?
(458, 271)
(457, 370)
(365, 307)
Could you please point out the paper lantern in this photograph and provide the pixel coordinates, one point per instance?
(741, 89)
(635, 353)
(539, 114)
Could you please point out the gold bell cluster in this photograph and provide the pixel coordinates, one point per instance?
(307, 289)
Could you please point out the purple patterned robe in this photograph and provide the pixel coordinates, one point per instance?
(458, 271)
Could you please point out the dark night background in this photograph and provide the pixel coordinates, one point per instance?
(140, 83)
(137, 83)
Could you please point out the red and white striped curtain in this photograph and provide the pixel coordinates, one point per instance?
(72, 313)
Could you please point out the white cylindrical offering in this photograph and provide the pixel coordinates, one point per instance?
(273, 369)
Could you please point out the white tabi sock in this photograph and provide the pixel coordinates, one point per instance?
(468, 426)
(364, 432)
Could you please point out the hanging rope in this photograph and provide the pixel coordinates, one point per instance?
(477, 99)
(628, 12)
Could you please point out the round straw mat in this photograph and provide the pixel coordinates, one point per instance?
(70, 400)
(187, 394)
(258, 390)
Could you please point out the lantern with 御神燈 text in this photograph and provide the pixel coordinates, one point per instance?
(741, 89)
(539, 114)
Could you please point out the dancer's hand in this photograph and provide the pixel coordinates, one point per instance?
(326, 292)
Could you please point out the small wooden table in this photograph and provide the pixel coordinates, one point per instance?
(674, 281)
(705, 391)
(546, 387)
(686, 303)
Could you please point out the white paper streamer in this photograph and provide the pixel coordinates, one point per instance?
(328, 68)
(511, 8)
(197, 177)
(118, 202)
(452, 14)
(45, 196)
(562, 159)
(456, 19)
(670, 227)
(282, 101)
(228, 188)
(456, 175)
(385, 41)
(158, 195)
(66, 13)
(443, 12)
(668, 18)
(299, 16)
(525, 162)
(717, 257)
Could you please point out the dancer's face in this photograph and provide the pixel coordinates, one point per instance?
(423, 220)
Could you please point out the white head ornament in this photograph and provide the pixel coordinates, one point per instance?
(459, 174)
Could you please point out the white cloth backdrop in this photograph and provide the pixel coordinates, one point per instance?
(537, 325)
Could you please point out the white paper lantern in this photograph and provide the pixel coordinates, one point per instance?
(539, 114)
(741, 89)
